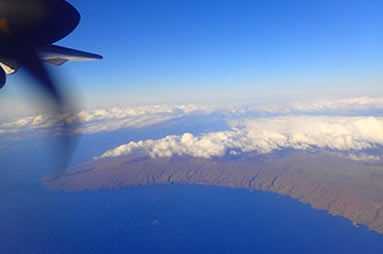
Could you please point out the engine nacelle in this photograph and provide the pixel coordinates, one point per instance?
(3, 77)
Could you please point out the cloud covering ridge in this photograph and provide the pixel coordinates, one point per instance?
(342, 125)
(264, 135)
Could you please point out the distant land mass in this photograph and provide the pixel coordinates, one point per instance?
(344, 187)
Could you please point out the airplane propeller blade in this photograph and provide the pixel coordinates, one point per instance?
(65, 118)
(28, 31)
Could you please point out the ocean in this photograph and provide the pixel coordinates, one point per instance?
(157, 218)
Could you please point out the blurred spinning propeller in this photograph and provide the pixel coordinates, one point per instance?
(28, 29)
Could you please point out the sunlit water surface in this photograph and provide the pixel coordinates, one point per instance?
(159, 218)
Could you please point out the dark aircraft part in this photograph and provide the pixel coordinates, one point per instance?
(26, 26)
(3, 78)
(35, 23)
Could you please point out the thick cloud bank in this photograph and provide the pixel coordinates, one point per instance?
(347, 126)
(107, 120)
(264, 135)
(104, 120)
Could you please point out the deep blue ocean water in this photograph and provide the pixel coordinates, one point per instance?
(158, 218)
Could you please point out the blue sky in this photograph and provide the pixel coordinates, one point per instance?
(219, 51)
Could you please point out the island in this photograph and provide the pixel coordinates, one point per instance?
(344, 187)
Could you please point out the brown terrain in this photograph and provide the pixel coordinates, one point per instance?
(342, 187)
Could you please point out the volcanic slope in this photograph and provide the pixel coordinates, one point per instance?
(341, 186)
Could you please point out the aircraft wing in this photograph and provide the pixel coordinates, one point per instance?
(57, 55)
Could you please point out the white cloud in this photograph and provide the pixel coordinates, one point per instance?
(338, 106)
(352, 104)
(264, 135)
(205, 146)
(105, 120)
(361, 157)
